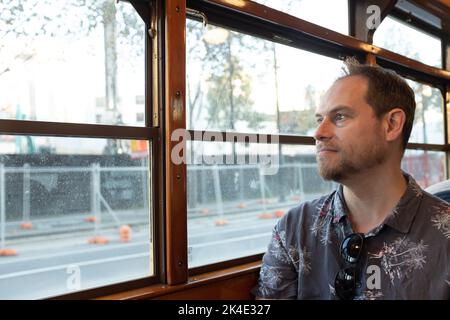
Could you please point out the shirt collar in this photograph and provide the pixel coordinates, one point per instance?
(402, 215)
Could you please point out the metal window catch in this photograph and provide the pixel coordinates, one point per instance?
(198, 14)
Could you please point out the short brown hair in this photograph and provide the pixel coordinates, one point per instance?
(386, 91)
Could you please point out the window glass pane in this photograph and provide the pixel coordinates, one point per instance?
(427, 167)
(326, 13)
(232, 208)
(429, 116)
(448, 60)
(400, 38)
(229, 87)
(73, 216)
(71, 61)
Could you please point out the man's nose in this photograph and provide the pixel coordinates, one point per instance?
(323, 130)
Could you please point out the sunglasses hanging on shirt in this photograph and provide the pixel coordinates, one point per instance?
(347, 278)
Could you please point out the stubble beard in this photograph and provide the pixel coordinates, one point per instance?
(351, 163)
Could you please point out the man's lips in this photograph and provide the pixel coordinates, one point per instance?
(326, 149)
(323, 151)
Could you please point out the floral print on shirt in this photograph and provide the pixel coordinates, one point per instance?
(441, 220)
(401, 257)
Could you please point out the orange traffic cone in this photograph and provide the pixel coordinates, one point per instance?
(279, 213)
(26, 225)
(90, 219)
(7, 252)
(98, 240)
(265, 216)
(125, 233)
(221, 222)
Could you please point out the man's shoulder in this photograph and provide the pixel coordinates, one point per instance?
(435, 213)
(433, 202)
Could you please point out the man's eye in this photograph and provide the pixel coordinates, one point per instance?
(339, 117)
(318, 120)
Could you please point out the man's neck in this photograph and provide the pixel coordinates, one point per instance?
(371, 196)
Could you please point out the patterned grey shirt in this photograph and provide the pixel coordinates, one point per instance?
(410, 250)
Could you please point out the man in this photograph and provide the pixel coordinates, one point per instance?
(379, 235)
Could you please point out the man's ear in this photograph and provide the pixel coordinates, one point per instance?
(394, 121)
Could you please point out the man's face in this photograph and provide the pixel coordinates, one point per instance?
(349, 136)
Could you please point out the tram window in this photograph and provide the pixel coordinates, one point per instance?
(400, 38)
(229, 87)
(332, 15)
(427, 167)
(73, 215)
(429, 116)
(233, 206)
(69, 62)
(448, 60)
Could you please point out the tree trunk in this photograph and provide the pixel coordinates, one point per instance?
(109, 41)
(280, 179)
(109, 22)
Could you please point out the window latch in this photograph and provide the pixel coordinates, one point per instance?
(197, 14)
